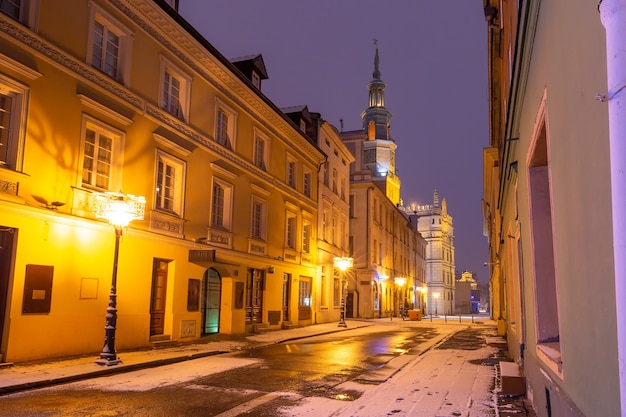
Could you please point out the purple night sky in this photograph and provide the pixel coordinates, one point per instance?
(433, 59)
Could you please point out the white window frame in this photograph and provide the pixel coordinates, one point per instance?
(291, 227)
(171, 71)
(262, 160)
(16, 123)
(259, 222)
(291, 172)
(180, 171)
(28, 13)
(117, 154)
(227, 208)
(307, 182)
(125, 36)
(231, 128)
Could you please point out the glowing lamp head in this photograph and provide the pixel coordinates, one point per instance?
(118, 208)
(343, 263)
(400, 281)
(436, 294)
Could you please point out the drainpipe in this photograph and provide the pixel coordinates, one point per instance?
(613, 17)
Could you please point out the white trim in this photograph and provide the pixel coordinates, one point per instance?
(165, 142)
(223, 171)
(101, 108)
(20, 68)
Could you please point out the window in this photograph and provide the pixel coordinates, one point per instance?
(110, 45)
(20, 10)
(326, 169)
(13, 99)
(221, 204)
(342, 238)
(225, 122)
(306, 183)
(12, 8)
(175, 90)
(302, 125)
(170, 179)
(304, 295)
(541, 225)
(335, 180)
(102, 156)
(325, 225)
(306, 236)
(290, 232)
(256, 80)
(260, 151)
(333, 230)
(352, 208)
(259, 216)
(291, 172)
(342, 189)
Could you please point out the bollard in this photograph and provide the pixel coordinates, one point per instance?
(459, 318)
(445, 317)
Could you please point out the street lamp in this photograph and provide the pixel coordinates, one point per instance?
(119, 209)
(400, 281)
(343, 263)
(436, 295)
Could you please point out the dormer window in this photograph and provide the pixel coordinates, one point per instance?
(302, 125)
(256, 80)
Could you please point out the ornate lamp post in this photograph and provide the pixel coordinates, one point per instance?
(119, 209)
(343, 263)
(436, 295)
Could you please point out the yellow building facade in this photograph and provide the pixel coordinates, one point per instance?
(125, 96)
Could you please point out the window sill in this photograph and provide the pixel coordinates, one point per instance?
(550, 355)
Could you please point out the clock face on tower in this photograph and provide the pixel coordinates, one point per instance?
(369, 156)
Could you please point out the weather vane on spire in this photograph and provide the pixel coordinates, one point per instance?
(375, 41)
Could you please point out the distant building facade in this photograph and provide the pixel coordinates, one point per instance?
(435, 225)
(387, 249)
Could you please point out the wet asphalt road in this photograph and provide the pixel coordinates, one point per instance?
(253, 382)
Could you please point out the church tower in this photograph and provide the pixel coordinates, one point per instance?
(379, 150)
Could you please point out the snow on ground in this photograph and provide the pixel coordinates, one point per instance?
(151, 378)
(443, 382)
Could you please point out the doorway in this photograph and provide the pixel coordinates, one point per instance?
(286, 296)
(8, 237)
(254, 295)
(211, 299)
(350, 305)
(157, 298)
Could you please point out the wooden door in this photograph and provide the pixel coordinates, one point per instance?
(157, 299)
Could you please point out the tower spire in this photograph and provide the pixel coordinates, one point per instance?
(376, 74)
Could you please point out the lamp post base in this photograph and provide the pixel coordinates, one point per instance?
(108, 361)
(342, 324)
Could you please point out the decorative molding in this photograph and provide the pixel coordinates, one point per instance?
(223, 171)
(259, 190)
(101, 108)
(220, 238)
(166, 224)
(20, 68)
(9, 187)
(256, 247)
(163, 141)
